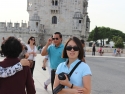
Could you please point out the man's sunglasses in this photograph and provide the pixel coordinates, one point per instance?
(69, 48)
(55, 38)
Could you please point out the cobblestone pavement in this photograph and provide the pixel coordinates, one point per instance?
(108, 75)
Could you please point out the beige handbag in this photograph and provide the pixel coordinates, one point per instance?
(31, 63)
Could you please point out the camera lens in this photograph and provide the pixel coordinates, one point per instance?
(61, 76)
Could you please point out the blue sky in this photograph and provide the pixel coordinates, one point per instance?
(108, 13)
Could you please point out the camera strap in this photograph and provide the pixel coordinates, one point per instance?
(74, 68)
(60, 87)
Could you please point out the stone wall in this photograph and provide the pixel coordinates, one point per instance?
(71, 17)
(23, 36)
(106, 50)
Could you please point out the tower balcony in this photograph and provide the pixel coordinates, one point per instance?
(54, 7)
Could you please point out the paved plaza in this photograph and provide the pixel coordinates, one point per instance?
(108, 75)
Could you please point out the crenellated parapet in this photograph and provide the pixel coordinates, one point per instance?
(17, 27)
(70, 17)
(13, 27)
(20, 30)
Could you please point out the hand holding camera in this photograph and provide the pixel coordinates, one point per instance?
(63, 77)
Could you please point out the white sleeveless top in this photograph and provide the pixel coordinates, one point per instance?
(31, 57)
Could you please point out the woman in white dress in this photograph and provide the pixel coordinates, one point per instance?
(32, 51)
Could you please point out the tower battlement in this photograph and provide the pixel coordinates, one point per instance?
(70, 17)
(9, 26)
(17, 27)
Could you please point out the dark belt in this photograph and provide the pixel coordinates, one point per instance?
(53, 70)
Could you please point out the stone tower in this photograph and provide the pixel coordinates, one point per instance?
(69, 17)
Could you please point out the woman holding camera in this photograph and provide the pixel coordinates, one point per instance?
(80, 80)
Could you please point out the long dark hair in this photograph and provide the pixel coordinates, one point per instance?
(78, 43)
(30, 39)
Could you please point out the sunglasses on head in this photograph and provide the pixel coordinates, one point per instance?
(55, 38)
(69, 48)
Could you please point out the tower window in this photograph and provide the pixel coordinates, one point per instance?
(79, 21)
(52, 2)
(36, 24)
(56, 3)
(54, 20)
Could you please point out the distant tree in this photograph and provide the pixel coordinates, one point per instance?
(101, 33)
(118, 42)
(94, 35)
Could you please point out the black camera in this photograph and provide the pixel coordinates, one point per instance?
(61, 76)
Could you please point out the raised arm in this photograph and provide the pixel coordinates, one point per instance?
(9, 71)
(44, 50)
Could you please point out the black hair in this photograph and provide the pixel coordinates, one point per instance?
(82, 41)
(78, 43)
(11, 47)
(30, 39)
(60, 35)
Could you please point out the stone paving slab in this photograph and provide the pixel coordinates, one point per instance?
(40, 77)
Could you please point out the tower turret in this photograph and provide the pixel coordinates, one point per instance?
(34, 22)
(77, 21)
(87, 26)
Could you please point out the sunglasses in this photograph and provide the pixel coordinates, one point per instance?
(32, 39)
(55, 38)
(69, 48)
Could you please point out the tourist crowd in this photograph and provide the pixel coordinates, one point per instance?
(66, 64)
